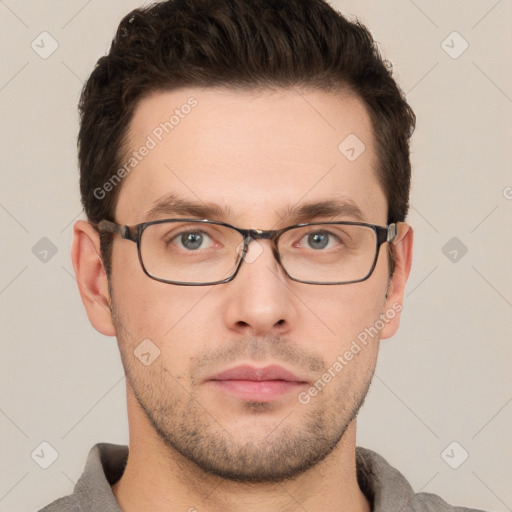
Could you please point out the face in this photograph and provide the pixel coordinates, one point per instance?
(252, 158)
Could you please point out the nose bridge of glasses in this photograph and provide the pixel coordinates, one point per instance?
(251, 235)
(260, 234)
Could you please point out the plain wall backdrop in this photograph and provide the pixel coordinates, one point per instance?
(442, 390)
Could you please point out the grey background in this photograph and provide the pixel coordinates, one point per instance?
(444, 377)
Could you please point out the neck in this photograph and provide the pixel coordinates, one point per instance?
(159, 479)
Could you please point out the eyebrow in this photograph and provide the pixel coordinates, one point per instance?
(327, 209)
(171, 205)
(174, 205)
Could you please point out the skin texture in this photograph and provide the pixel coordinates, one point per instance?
(255, 153)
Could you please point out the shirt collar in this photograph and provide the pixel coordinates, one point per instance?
(385, 488)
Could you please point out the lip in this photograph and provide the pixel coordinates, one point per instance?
(257, 384)
(246, 372)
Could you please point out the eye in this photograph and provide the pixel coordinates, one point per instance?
(321, 239)
(192, 240)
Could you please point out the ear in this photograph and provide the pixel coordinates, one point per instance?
(402, 249)
(92, 277)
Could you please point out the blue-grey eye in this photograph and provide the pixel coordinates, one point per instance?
(192, 240)
(318, 240)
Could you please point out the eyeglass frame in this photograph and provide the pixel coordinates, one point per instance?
(383, 234)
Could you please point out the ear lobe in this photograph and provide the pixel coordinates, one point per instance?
(403, 260)
(91, 277)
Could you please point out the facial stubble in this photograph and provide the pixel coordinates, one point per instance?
(197, 431)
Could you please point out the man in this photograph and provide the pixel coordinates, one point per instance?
(245, 174)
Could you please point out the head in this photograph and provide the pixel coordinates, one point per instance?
(242, 108)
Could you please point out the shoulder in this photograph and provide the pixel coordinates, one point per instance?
(426, 502)
(389, 491)
(104, 466)
(65, 504)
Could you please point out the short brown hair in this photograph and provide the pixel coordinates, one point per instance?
(236, 44)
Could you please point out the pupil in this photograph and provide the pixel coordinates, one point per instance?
(192, 240)
(318, 240)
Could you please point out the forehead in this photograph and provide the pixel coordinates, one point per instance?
(255, 154)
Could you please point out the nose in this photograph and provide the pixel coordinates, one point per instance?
(259, 299)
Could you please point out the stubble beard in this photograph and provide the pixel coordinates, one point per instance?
(282, 455)
(195, 430)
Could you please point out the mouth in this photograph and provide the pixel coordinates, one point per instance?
(257, 384)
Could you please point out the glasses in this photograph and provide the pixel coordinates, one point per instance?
(194, 252)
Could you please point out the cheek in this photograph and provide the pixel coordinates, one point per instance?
(343, 312)
(143, 303)
(173, 318)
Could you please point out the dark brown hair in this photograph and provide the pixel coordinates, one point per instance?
(236, 44)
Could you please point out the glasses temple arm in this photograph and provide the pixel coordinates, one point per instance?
(106, 226)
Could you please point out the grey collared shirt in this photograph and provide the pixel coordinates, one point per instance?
(386, 488)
